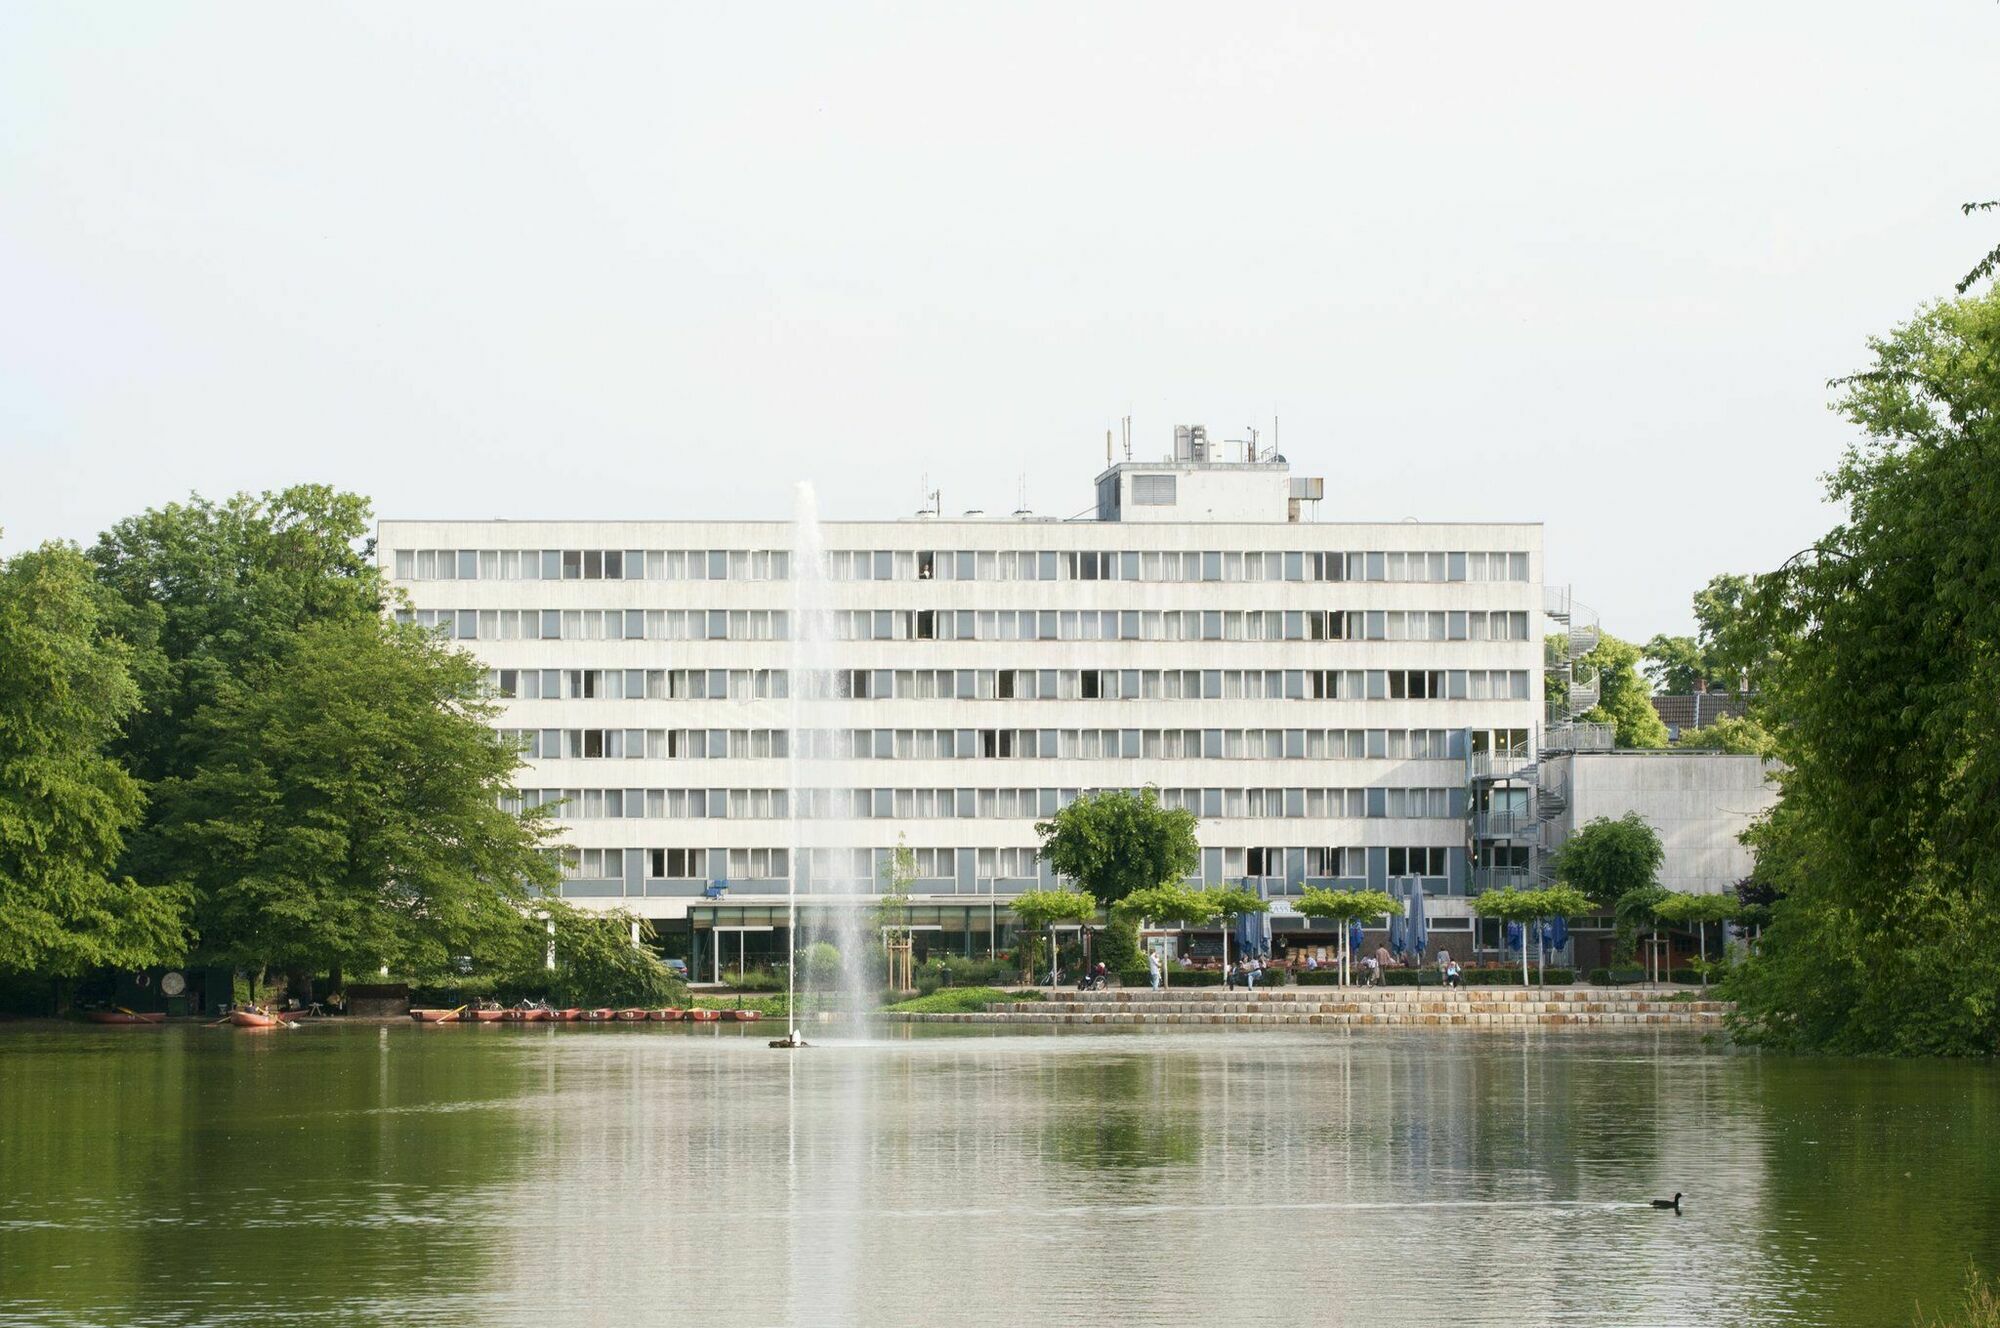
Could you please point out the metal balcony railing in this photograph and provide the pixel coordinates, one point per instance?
(1505, 825)
(1563, 736)
(1512, 763)
(1505, 878)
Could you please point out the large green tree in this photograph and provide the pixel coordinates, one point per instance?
(213, 592)
(65, 805)
(1608, 859)
(1623, 701)
(1114, 842)
(1729, 650)
(1885, 844)
(345, 807)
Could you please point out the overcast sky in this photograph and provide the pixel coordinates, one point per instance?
(1586, 264)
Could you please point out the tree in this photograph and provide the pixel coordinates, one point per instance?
(1623, 701)
(1527, 908)
(1986, 266)
(1675, 666)
(1344, 906)
(346, 806)
(1230, 904)
(1740, 735)
(1037, 910)
(1607, 859)
(1682, 909)
(892, 911)
(65, 806)
(213, 592)
(1171, 902)
(1114, 842)
(1884, 841)
(596, 961)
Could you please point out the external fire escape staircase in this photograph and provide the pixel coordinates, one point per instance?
(1523, 835)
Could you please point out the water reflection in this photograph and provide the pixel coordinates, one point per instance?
(540, 1176)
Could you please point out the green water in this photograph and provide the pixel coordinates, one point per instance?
(648, 1175)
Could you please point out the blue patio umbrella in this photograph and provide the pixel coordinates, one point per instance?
(1555, 934)
(1513, 936)
(1355, 937)
(1419, 934)
(1397, 927)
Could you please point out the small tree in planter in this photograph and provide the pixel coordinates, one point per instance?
(1229, 904)
(1166, 903)
(1038, 910)
(1697, 911)
(1528, 908)
(1346, 907)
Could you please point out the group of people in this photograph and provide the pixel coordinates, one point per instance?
(1374, 966)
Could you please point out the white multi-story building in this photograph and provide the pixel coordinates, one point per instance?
(1311, 691)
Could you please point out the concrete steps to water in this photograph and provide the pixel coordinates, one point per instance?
(1625, 1007)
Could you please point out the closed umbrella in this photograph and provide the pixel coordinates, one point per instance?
(1420, 936)
(1355, 937)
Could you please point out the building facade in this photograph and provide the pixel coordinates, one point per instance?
(714, 720)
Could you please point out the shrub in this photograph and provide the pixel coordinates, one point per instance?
(959, 971)
(821, 963)
(1176, 976)
(1613, 977)
(952, 1000)
(753, 980)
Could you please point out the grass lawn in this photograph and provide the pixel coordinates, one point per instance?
(960, 1000)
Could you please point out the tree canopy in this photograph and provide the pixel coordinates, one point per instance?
(1623, 700)
(1608, 858)
(346, 807)
(1172, 902)
(65, 805)
(1884, 842)
(1114, 842)
(1740, 735)
(1036, 909)
(212, 592)
(1729, 651)
(1317, 901)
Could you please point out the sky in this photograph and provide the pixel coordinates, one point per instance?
(1585, 264)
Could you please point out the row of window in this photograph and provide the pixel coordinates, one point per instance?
(592, 564)
(987, 864)
(639, 684)
(958, 565)
(1015, 684)
(974, 744)
(924, 804)
(975, 624)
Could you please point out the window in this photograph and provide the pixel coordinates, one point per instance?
(1153, 490)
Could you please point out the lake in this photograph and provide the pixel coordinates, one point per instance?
(546, 1175)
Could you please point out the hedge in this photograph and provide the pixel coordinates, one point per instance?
(1474, 977)
(1613, 977)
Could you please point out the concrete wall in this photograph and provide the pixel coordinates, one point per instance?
(1699, 802)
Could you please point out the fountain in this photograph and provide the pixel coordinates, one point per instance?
(813, 711)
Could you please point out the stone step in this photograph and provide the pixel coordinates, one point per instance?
(1027, 1015)
(1162, 1009)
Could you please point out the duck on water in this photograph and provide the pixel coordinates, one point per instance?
(1673, 1203)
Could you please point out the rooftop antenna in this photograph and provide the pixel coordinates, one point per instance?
(1248, 445)
(1128, 437)
(1107, 447)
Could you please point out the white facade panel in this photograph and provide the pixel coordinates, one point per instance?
(1275, 666)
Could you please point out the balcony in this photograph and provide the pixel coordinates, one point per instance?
(1514, 763)
(1505, 825)
(1505, 878)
